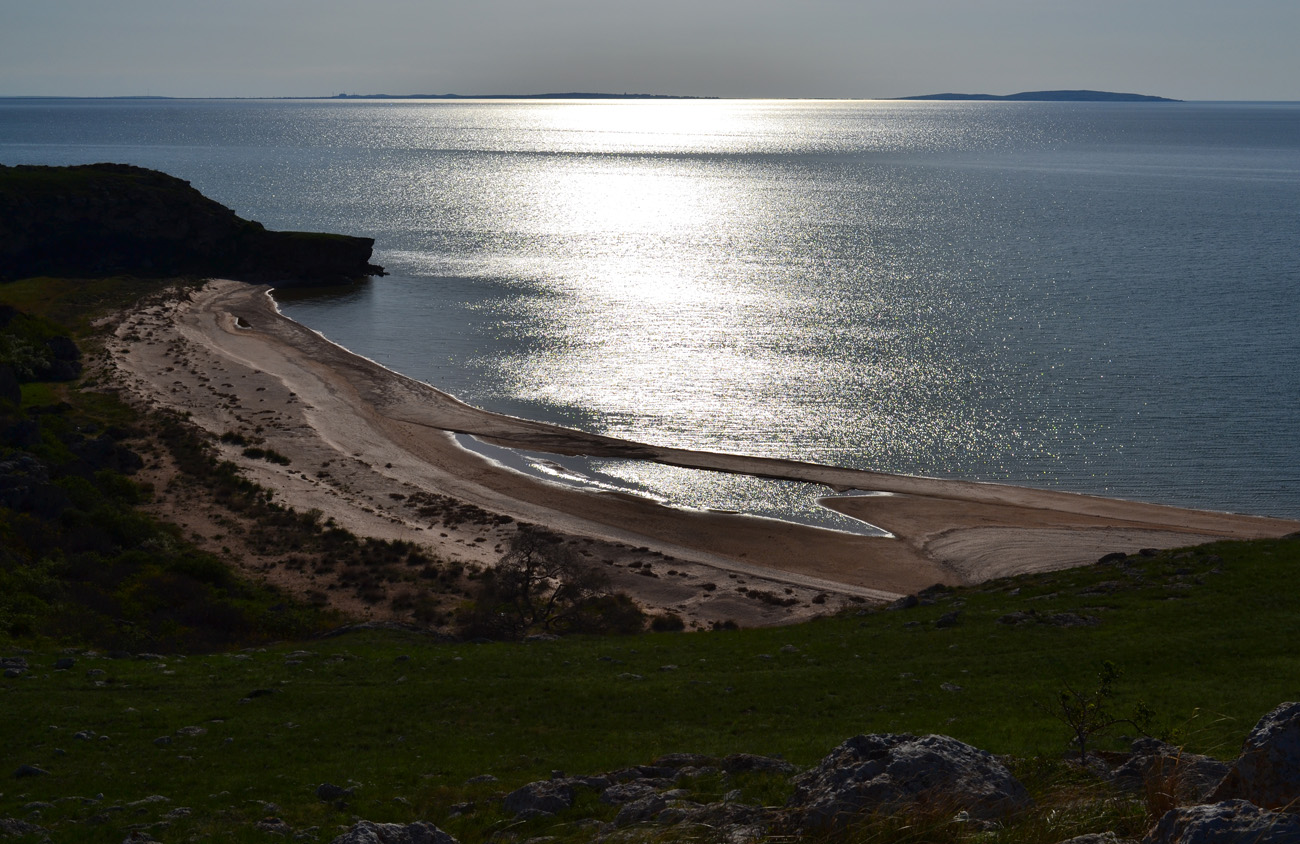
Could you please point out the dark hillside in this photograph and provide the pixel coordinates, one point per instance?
(103, 219)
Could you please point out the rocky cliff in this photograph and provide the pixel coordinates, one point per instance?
(103, 219)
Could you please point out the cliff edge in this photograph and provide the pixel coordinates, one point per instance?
(110, 219)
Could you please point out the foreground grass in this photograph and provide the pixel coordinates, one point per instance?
(1205, 637)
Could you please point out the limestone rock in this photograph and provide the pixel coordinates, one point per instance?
(274, 826)
(1228, 822)
(1187, 777)
(420, 832)
(739, 762)
(1267, 773)
(626, 792)
(14, 827)
(328, 791)
(645, 809)
(544, 797)
(889, 772)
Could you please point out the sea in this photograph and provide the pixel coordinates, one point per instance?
(1093, 297)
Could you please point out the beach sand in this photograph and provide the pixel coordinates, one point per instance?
(364, 442)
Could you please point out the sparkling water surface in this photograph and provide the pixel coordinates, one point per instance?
(1092, 297)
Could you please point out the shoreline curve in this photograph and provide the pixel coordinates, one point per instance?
(381, 432)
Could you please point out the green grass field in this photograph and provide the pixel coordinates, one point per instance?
(1205, 637)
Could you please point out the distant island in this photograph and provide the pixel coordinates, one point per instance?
(573, 95)
(1052, 96)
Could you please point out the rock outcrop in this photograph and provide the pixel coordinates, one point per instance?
(1229, 822)
(1157, 767)
(890, 772)
(420, 832)
(105, 219)
(1267, 773)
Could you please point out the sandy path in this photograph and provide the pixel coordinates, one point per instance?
(227, 357)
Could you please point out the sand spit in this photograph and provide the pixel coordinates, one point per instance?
(364, 442)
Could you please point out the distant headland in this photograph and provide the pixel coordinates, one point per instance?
(1052, 96)
(102, 219)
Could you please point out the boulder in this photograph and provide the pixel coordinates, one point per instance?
(1267, 773)
(420, 832)
(626, 792)
(274, 826)
(14, 827)
(328, 791)
(544, 797)
(644, 810)
(1155, 765)
(1228, 822)
(890, 772)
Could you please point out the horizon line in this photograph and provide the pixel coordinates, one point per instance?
(576, 95)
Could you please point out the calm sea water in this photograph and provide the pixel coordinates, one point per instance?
(1102, 298)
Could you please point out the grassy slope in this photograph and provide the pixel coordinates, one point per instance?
(407, 717)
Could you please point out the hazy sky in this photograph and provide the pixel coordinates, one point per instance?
(1189, 49)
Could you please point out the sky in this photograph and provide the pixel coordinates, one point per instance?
(1186, 49)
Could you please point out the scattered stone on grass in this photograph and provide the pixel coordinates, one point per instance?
(1227, 822)
(420, 832)
(544, 797)
(12, 827)
(274, 825)
(1186, 777)
(328, 791)
(888, 772)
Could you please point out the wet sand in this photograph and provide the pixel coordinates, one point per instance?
(227, 357)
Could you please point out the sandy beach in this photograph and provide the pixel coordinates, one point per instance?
(366, 445)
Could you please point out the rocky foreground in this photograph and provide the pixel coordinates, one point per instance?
(1254, 799)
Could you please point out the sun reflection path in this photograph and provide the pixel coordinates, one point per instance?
(681, 487)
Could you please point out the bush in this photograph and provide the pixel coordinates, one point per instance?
(541, 586)
(669, 622)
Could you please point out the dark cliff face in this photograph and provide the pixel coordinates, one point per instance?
(103, 219)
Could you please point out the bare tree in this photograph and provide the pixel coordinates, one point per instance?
(1090, 713)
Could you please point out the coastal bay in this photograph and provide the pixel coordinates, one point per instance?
(225, 356)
